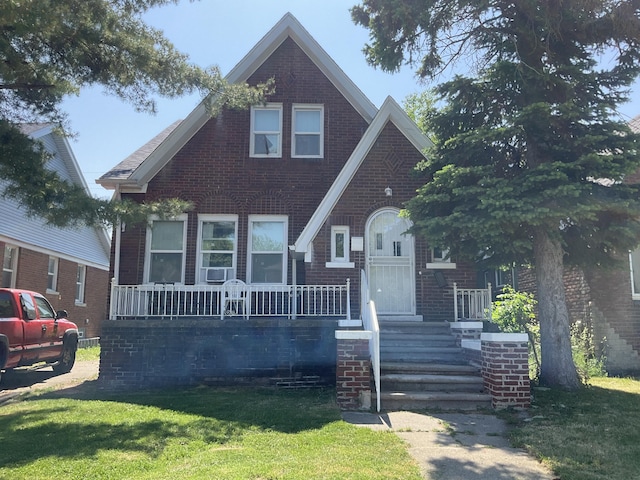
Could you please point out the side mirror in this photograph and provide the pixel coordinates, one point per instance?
(61, 314)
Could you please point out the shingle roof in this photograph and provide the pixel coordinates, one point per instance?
(125, 168)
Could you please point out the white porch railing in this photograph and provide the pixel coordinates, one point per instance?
(370, 323)
(173, 301)
(472, 303)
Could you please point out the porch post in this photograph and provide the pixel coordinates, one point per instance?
(294, 289)
(455, 302)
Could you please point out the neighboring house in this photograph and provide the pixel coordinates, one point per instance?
(295, 198)
(70, 266)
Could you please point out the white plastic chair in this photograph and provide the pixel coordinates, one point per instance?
(234, 293)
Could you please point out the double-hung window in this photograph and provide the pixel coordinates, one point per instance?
(266, 131)
(634, 263)
(166, 240)
(9, 263)
(217, 247)
(307, 139)
(81, 278)
(52, 274)
(268, 249)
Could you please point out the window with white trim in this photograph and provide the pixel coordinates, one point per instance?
(266, 131)
(81, 279)
(267, 249)
(166, 240)
(307, 132)
(9, 266)
(52, 274)
(217, 247)
(440, 259)
(634, 263)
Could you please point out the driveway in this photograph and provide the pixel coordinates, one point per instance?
(32, 379)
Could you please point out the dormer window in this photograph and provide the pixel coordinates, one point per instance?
(307, 139)
(266, 130)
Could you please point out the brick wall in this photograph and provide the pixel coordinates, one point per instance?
(154, 353)
(32, 275)
(353, 372)
(505, 369)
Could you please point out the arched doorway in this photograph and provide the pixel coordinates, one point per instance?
(390, 263)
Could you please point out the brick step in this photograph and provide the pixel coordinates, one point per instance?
(409, 400)
(427, 382)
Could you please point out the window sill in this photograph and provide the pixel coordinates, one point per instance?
(80, 304)
(340, 265)
(441, 266)
(52, 292)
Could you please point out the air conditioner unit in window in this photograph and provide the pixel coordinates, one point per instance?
(216, 274)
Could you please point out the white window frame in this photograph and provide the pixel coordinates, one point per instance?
(307, 108)
(81, 282)
(634, 295)
(343, 261)
(252, 141)
(204, 218)
(268, 218)
(440, 261)
(53, 265)
(147, 255)
(12, 268)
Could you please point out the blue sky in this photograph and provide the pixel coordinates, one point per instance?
(214, 32)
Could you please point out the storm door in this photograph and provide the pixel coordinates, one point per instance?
(390, 263)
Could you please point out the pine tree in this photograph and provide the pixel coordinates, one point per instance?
(50, 49)
(531, 155)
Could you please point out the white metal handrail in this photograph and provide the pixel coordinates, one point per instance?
(370, 323)
(173, 301)
(472, 303)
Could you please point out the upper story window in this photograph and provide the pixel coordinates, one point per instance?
(266, 131)
(166, 240)
(52, 274)
(217, 247)
(9, 263)
(267, 249)
(307, 139)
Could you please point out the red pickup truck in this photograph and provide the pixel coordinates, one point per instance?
(32, 332)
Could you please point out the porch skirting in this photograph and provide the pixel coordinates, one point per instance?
(159, 353)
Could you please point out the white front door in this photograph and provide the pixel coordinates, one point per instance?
(390, 263)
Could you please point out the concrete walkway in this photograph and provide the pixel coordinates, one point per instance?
(457, 446)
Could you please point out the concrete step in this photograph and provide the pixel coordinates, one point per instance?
(422, 328)
(400, 382)
(404, 340)
(434, 400)
(429, 368)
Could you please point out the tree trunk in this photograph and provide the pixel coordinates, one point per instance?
(557, 367)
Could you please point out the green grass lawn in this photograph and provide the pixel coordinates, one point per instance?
(592, 434)
(207, 433)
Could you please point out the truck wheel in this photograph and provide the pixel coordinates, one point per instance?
(68, 357)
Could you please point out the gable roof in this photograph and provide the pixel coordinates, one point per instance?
(135, 177)
(90, 246)
(389, 112)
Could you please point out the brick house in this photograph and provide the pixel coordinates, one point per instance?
(295, 198)
(68, 265)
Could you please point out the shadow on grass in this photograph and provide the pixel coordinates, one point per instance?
(264, 408)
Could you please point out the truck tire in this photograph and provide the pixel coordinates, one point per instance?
(68, 357)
